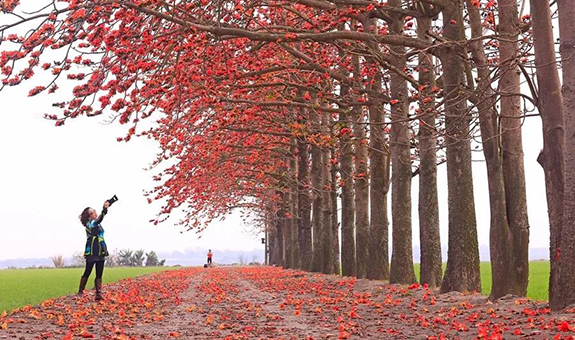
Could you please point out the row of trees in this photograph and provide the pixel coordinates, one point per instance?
(283, 107)
(118, 258)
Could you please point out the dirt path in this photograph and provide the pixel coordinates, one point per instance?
(271, 303)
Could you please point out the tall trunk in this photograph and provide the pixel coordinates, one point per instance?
(295, 250)
(348, 264)
(402, 253)
(288, 233)
(428, 207)
(513, 164)
(462, 272)
(281, 232)
(267, 244)
(275, 239)
(567, 49)
(327, 230)
(334, 219)
(500, 236)
(304, 205)
(317, 187)
(271, 245)
(361, 187)
(550, 107)
(379, 174)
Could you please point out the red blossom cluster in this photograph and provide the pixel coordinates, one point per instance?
(225, 84)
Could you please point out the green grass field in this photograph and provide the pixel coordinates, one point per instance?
(538, 279)
(20, 287)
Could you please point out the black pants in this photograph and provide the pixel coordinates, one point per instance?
(99, 269)
(209, 260)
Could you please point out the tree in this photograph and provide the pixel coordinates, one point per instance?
(242, 259)
(512, 151)
(348, 259)
(58, 261)
(152, 259)
(565, 261)
(379, 158)
(550, 106)
(125, 258)
(78, 259)
(401, 270)
(428, 205)
(361, 182)
(462, 273)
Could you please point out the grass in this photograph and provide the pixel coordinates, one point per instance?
(538, 279)
(21, 287)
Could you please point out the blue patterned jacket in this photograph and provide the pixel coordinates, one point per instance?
(95, 245)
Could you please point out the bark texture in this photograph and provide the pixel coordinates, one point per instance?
(317, 219)
(379, 159)
(401, 270)
(361, 189)
(499, 233)
(462, 272)
(428, 205)
(348, 264)
(334, 216)
(304, 205)
(567, 50)
(327, 238)
(512, 150)
(550, 105)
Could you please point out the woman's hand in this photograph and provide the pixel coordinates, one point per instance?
(106, 205)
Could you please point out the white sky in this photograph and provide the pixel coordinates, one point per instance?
(48, 175)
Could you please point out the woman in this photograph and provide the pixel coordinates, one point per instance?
(96, 249)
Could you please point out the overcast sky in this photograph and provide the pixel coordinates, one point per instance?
(48, 175)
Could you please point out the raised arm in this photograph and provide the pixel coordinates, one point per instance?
(102, 214)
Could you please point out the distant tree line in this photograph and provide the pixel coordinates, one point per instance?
(118, 258)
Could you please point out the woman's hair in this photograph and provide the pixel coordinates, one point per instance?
(85, 216)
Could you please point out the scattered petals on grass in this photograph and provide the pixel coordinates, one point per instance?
(274, 303)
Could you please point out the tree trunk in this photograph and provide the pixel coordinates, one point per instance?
(501, 247)
(513, 164)
(317, 187)
(327, 229)
(550, 107)
(429, 238)
(294, 213)
(462, 272)
(361, 188)
(267, 245)
(304, 205)
(334, 219)
(288, 234)
(379, 175)
(567, 49)
(348, 264)
(276, 246)
(273, 254)
(281, 232)
(402, 253)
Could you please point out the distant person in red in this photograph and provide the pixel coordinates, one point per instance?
(210, 255)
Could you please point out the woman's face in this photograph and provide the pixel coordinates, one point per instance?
(93, 214)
